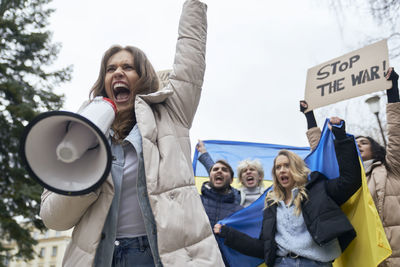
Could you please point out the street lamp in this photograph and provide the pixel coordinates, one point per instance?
(373, 103)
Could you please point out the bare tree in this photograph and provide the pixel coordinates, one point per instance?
(384, 13)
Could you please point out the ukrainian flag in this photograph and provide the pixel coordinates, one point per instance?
(234, 152)
(368, 249)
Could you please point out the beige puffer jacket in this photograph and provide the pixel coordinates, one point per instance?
(383, 183)
(164, 119)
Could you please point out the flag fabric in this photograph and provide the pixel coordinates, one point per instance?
(369, 248)
(249, 221)
(234, 152)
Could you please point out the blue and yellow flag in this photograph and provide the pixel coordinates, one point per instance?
(369, 248)
(234, 152)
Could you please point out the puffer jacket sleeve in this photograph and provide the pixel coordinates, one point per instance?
(186, 78)
(313, 136)
(60, 212)
(393, 132)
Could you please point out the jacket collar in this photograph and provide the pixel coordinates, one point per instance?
(373, 165)
(368, 165)
(135, 138)
(295, 192)
(157, 97)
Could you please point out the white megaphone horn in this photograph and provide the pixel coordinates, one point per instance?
(68, 153)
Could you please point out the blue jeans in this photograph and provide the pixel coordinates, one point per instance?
(132, 252)
(299, 262)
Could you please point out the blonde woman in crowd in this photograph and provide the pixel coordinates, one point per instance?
(303, 224)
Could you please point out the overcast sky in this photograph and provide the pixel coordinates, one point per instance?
(258, 53)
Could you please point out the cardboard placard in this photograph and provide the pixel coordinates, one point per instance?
(354, 74)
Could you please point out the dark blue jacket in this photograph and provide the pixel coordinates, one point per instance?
(219, 206)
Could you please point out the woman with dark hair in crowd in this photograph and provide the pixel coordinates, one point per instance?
(371, 149)
(382, 167)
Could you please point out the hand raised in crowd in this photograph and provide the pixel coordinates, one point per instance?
(311, 122)
(393, 92)
(303, 106)
(217, 228)
(335, 120)
(339, 132)
(201, 147)
(391, 75)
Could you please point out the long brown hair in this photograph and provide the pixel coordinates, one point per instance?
(146, 84)
(299, 172)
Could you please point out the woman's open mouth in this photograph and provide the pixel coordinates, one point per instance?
(284, 179)
(121, 92)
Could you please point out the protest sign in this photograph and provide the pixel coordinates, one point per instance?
(354, 74)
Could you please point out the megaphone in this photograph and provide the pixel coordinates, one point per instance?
(68, 153)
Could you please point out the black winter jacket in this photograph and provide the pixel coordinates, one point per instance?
(322, 214)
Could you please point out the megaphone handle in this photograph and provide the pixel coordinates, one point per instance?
(67, 129)
(75, 143)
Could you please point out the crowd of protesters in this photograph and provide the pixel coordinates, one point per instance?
(148, 212)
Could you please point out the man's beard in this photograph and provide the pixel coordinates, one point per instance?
(223, 190)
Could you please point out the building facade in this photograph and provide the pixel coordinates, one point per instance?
(49, 250)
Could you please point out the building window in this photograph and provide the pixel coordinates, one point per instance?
(41, 253)
(54, 251)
